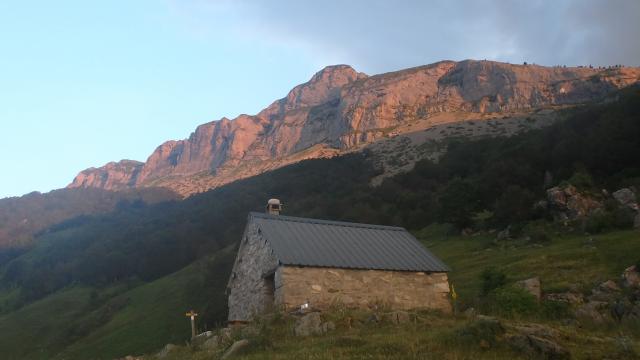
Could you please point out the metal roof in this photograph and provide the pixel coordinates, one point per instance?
(323, 243)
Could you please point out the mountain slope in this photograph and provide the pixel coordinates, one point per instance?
(137, 248)
(340, 109)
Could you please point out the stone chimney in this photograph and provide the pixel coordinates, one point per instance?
(274, 206)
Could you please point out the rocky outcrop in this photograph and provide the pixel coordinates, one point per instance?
(113, 176)
(340, 108)
(567, 203)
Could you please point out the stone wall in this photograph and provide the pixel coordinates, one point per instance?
(361, 288)
(248, 289)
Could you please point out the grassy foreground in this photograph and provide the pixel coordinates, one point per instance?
(143, 318)
(568, 260)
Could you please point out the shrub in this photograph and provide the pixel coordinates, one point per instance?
(482, 330)
(555, 309)
(512, 301)
(492, 279)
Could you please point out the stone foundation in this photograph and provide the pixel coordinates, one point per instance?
(322, 287)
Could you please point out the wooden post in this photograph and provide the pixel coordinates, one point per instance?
(192, 314)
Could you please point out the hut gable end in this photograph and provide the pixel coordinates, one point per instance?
(251, 286)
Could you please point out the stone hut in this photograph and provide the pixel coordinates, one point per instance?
(289, 262)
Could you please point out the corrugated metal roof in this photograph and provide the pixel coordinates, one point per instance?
(312, 242)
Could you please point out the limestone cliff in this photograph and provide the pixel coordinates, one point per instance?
(113, 176)
(339, 109)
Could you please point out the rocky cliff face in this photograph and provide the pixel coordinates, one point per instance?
(340, 108)
(113, 176)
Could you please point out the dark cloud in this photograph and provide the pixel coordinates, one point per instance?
(380, 35)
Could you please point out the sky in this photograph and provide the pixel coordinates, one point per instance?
(83, 83)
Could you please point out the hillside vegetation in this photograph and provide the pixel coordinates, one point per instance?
(132, 258)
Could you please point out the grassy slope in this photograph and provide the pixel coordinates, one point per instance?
(565, 260)
(153, 314)
(140, 320)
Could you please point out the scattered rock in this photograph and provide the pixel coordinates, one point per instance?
(568, 297)
(504, 234)
(470, 313)
(609, 286)
(631, 277)
(212, 343)
(592, 312)
(311, 324)
(627, 198)
(165, 351)
(235, 348)
(532, 344)
(532, 286)
(567, 203)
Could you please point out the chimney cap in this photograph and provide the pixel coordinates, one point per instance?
(274, 206)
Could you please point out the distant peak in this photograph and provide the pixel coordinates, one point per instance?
(328, 73)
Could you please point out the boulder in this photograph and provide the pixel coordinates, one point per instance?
(536, 346)
(235, 348)
(311, 324)
(571, 298)
(631, 277)
(212, 343)
(165, 351)
(609, 286)
(567, 203)
(593, 311)
(532, 286)
(627, 198)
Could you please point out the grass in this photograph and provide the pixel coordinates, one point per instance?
(142, 318)
(566, 261)
(428, 335)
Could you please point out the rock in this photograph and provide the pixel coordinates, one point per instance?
(212, 343)
(571, 298)
(504, 234)
(631, 277)
(311, 324)
(627, 198)
(470, 313)
(609, 286)
(201, 338)
(398, 317)
(328, 326)
(567, 203)
(340, 108)
(536, 346)
(532, 286)
(112, 176)
(537, 330)
(235, 348)
(165, 351)
(592, 312)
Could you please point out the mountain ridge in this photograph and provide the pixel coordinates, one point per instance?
(340, 109)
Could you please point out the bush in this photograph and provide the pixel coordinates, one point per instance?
(511, 301)
(555, 310)
(492, 279)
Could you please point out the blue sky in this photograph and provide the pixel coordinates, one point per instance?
(83, 83)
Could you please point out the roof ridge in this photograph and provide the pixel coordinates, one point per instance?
(324, 222)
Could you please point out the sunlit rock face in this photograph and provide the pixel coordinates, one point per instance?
(340, 108)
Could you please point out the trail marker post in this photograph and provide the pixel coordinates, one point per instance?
(192, 314)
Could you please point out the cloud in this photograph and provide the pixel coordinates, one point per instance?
(377, 36)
